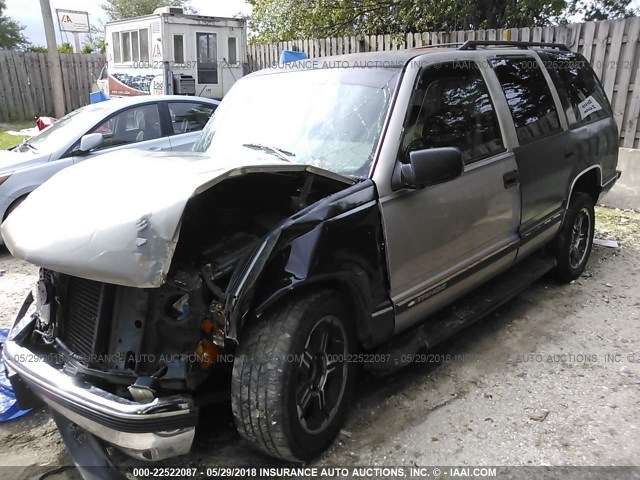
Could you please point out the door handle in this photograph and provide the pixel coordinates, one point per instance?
(510, 179)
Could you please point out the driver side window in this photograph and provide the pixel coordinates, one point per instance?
(451, 107)
(137, 124)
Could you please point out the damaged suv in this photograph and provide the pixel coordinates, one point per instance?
(330, 223)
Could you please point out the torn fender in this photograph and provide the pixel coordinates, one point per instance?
(116, 218)
(336, 242)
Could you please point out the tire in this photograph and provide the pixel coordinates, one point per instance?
(277, 367)
(572, 246)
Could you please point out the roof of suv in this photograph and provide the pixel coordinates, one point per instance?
(399, 58)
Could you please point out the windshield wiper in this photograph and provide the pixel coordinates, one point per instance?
(282, 154)
(28, 145)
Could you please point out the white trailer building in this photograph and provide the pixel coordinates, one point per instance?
(173, 52)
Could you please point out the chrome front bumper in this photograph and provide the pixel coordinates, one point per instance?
(157, 430)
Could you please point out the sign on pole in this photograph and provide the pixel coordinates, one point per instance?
(73, 21)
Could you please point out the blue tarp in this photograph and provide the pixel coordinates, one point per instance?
(290, 56)
(97, 97)
(9, 409)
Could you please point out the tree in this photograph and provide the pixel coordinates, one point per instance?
(10, 31)
(94, 40)
(279, 20)
(602, 9)
(120, 9)
(65, 47)
(36, 49)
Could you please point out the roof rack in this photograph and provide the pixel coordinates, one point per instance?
(436, 45)
(472, 44)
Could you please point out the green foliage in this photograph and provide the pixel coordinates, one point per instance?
(280, 20)
(94, 40)
(36, 49)
(10, 31)
(101, 45)
(65, 48)
(602, 9)
(119, 9)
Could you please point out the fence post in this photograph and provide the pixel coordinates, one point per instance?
(55, 72)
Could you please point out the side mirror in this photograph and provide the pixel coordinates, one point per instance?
(428, 167)
(90, 141)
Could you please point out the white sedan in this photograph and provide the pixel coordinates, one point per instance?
(167, 122)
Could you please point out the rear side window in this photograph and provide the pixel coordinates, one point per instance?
(189, 117)
(528, 95)
(578, 87)
(451, 107)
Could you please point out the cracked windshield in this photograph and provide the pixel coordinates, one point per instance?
(329, 118)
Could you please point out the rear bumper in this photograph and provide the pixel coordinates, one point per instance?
(161, 429)
(612, 181)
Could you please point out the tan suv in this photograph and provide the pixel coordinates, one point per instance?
(332, 212)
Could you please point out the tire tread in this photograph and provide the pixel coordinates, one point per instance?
(256, 398)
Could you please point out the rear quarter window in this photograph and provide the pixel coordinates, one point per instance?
(580, 91)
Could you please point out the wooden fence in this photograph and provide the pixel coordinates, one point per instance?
(25, 87)
(610, 46)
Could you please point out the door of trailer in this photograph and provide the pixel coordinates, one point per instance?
(194, 51)
(207, 65)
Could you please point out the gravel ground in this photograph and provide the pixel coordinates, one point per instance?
(552, 378)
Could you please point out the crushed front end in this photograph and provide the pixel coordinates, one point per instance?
(125, 364)
(132, 364)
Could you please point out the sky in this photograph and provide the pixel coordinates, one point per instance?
(28, 13)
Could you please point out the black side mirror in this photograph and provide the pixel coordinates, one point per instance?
(428, 167)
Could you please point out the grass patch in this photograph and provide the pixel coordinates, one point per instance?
(617, 224)
(6, 140)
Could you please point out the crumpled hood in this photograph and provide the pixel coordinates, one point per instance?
(10, 160)
(116, 218)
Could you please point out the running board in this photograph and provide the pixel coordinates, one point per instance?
(398, 352)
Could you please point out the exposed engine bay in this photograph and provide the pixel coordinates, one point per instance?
(141, 343)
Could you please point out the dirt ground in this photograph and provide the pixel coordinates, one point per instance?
(552, 378)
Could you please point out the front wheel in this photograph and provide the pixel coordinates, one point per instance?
(292, 379)
(573, 244)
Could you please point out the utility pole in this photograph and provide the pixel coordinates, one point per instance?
(55, 70)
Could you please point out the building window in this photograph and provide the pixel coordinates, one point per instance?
(135, 47)
(117, 51)
(178, 48)
(126, 46)
(233, 51)
(144, 44)
(131, 46)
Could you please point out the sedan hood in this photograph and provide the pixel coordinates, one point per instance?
(116, 218)
(11, 160)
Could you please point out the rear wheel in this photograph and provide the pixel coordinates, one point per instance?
(573, 244)
(292, 380)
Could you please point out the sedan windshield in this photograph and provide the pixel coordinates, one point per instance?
(57, 134)
(328, 118)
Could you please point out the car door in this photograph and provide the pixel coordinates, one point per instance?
(187, 119)
(444, 239)
(544, 150)
(135, 127)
